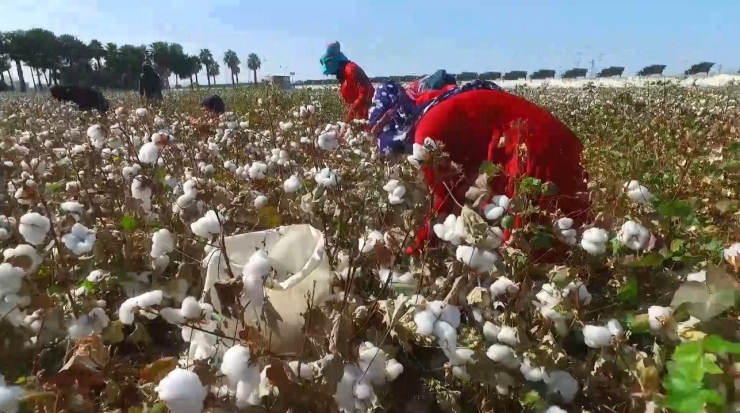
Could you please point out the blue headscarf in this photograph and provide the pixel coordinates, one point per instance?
(395, 135)
(332, 59)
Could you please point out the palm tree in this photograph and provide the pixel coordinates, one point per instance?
(214, 70)
(254, 64)
(206, 59)
(97, 52)
(16, 47)
(196, 68)
(5, 67)
(232, 61)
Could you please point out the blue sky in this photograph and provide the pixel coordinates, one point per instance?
(410, 36)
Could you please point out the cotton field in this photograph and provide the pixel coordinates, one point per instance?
(257, 262)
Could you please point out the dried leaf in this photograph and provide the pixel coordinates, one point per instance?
(475, 226)
(341, 332)
(205, 372)
(154, 372)
(113, 334)
(228, 293)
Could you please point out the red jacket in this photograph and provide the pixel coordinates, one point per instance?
(357, 92)
(471, 126)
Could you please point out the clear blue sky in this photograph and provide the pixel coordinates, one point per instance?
(410, 36)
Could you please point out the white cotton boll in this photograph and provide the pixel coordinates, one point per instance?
(637, 193)
(280, 157)
(208, 225)
(564, 223)
(146, 300)
(11, 279)
(563, 383)
(500, 353)
(508, 335)
(190, 308)
(594, 241)
(326, 177)
(257, 170)
(142, 112)
(732, 254)
(493, 212)
(305, 372)
(656, 314)
(260, 201)
(634, 236)
(172, 315)
(504, 382)
(72, 207)
(451, 315)
(393, 369)
(700, 276)
(596, 336)
(584, 296)
(10, 397)
(292, 185)
(451, 230)
(530, 372)
(461, 372)
(235, 364)
(231, 166)
(425, 321)
(503, 285)
(24, 250)
(162, 243)
(614, 327)
(149, 153)
(34, 227)
(258, 264)
(477, 258)
(182, 390)
(328, 141)
(80, 240)
(4, 235)
(555, 409)
(491, 331)
(366, 244)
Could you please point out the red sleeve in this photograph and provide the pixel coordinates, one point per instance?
(357, 79)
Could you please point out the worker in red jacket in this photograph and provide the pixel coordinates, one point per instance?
(480, 122)
(357, 91)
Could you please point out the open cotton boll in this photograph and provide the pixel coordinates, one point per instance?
(10, 396)
(634, 236)
(80, 240)
(328, 141)
(637, 193)
(732, 255)
(700, 276)
(162, 243)
(565, 227)
(34, 227)
(280, 157)
(490, 331)
(500, 353)
(594, 241)
(584, 296)
(563, 383)
(326, 177)
(149, 153)
(182, 391)
(305, 372)
(235, 365)
(260, 201)
(11, 279)
(530, 372)
(451, 230)
(445, 312)
(496, 209)
(477, 258)
(72, 207)
(142, 112)
(92, 323)
(425, 321)
(258, 170)
(292, 184)
(503, 285)
(24, 250)
(366, 244)
(596, 336)
(658, 315)
(146, 300)
(614, 327)
(208, 225)
(508, 335)
(555, 409)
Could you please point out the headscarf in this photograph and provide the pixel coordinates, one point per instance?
(436, 81)
(214, 103)
(392, 97)
(333, 57)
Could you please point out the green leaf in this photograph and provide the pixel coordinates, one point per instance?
(676, 245)
(489, 169)
(128, 223)
(542, 240)
(88, 286)
(707, 301)
(638, 323)
(716, 344)
(530, 185)
(653, 259)
(628, 293)
(507, 222)
(675, 209)
(55, 186)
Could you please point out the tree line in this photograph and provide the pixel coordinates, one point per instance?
(68, 60)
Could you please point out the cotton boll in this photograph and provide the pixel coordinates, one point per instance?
(34, 227)
(555, 409)
(563, 383)
(451, 230)
(584, 296)
(366, 244)
(634, 236)
(596, 336)
(80, 240)
(594, 241)
(142, 112)
(492, 212)
(614, 327)
(477, 258)
(328, 141)
(503, 285)
(24, 250)
(257, 170)
(190, 308)
(732, 255)
(326, 177)
(292, 185)
(508, 335)
(208, 225)
(425, 321)
(182, 391)
(637, 193)
(10, 397)
(149, 153)
(393, 369)
(700, 276)
(146, 300)
(162, 243)
(500, 353)
(532, 373)
(11, 279)
(491, 331)
(260, 201)
(235, 365)
(657, 315)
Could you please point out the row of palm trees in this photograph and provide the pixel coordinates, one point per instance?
(67, 59)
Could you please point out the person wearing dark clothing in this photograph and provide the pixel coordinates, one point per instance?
(85, 97)
(150, 84)
(214, 105)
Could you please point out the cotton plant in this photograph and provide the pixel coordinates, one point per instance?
(208, 225)
(145, 301)
(80, 239)
(637, 193)
(182, 391)
(327, 177)
(280, 157)
(355, 391)
(94, 322)
(451, 230)
(34, 227)
(367, 243)
(440, 320)
(292, 184)
(257, 170)
(149, 153)
(162, 243)
(479, 259)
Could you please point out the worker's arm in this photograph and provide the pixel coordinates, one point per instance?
(358, 80)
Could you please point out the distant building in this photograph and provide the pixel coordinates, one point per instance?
(279, 81)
